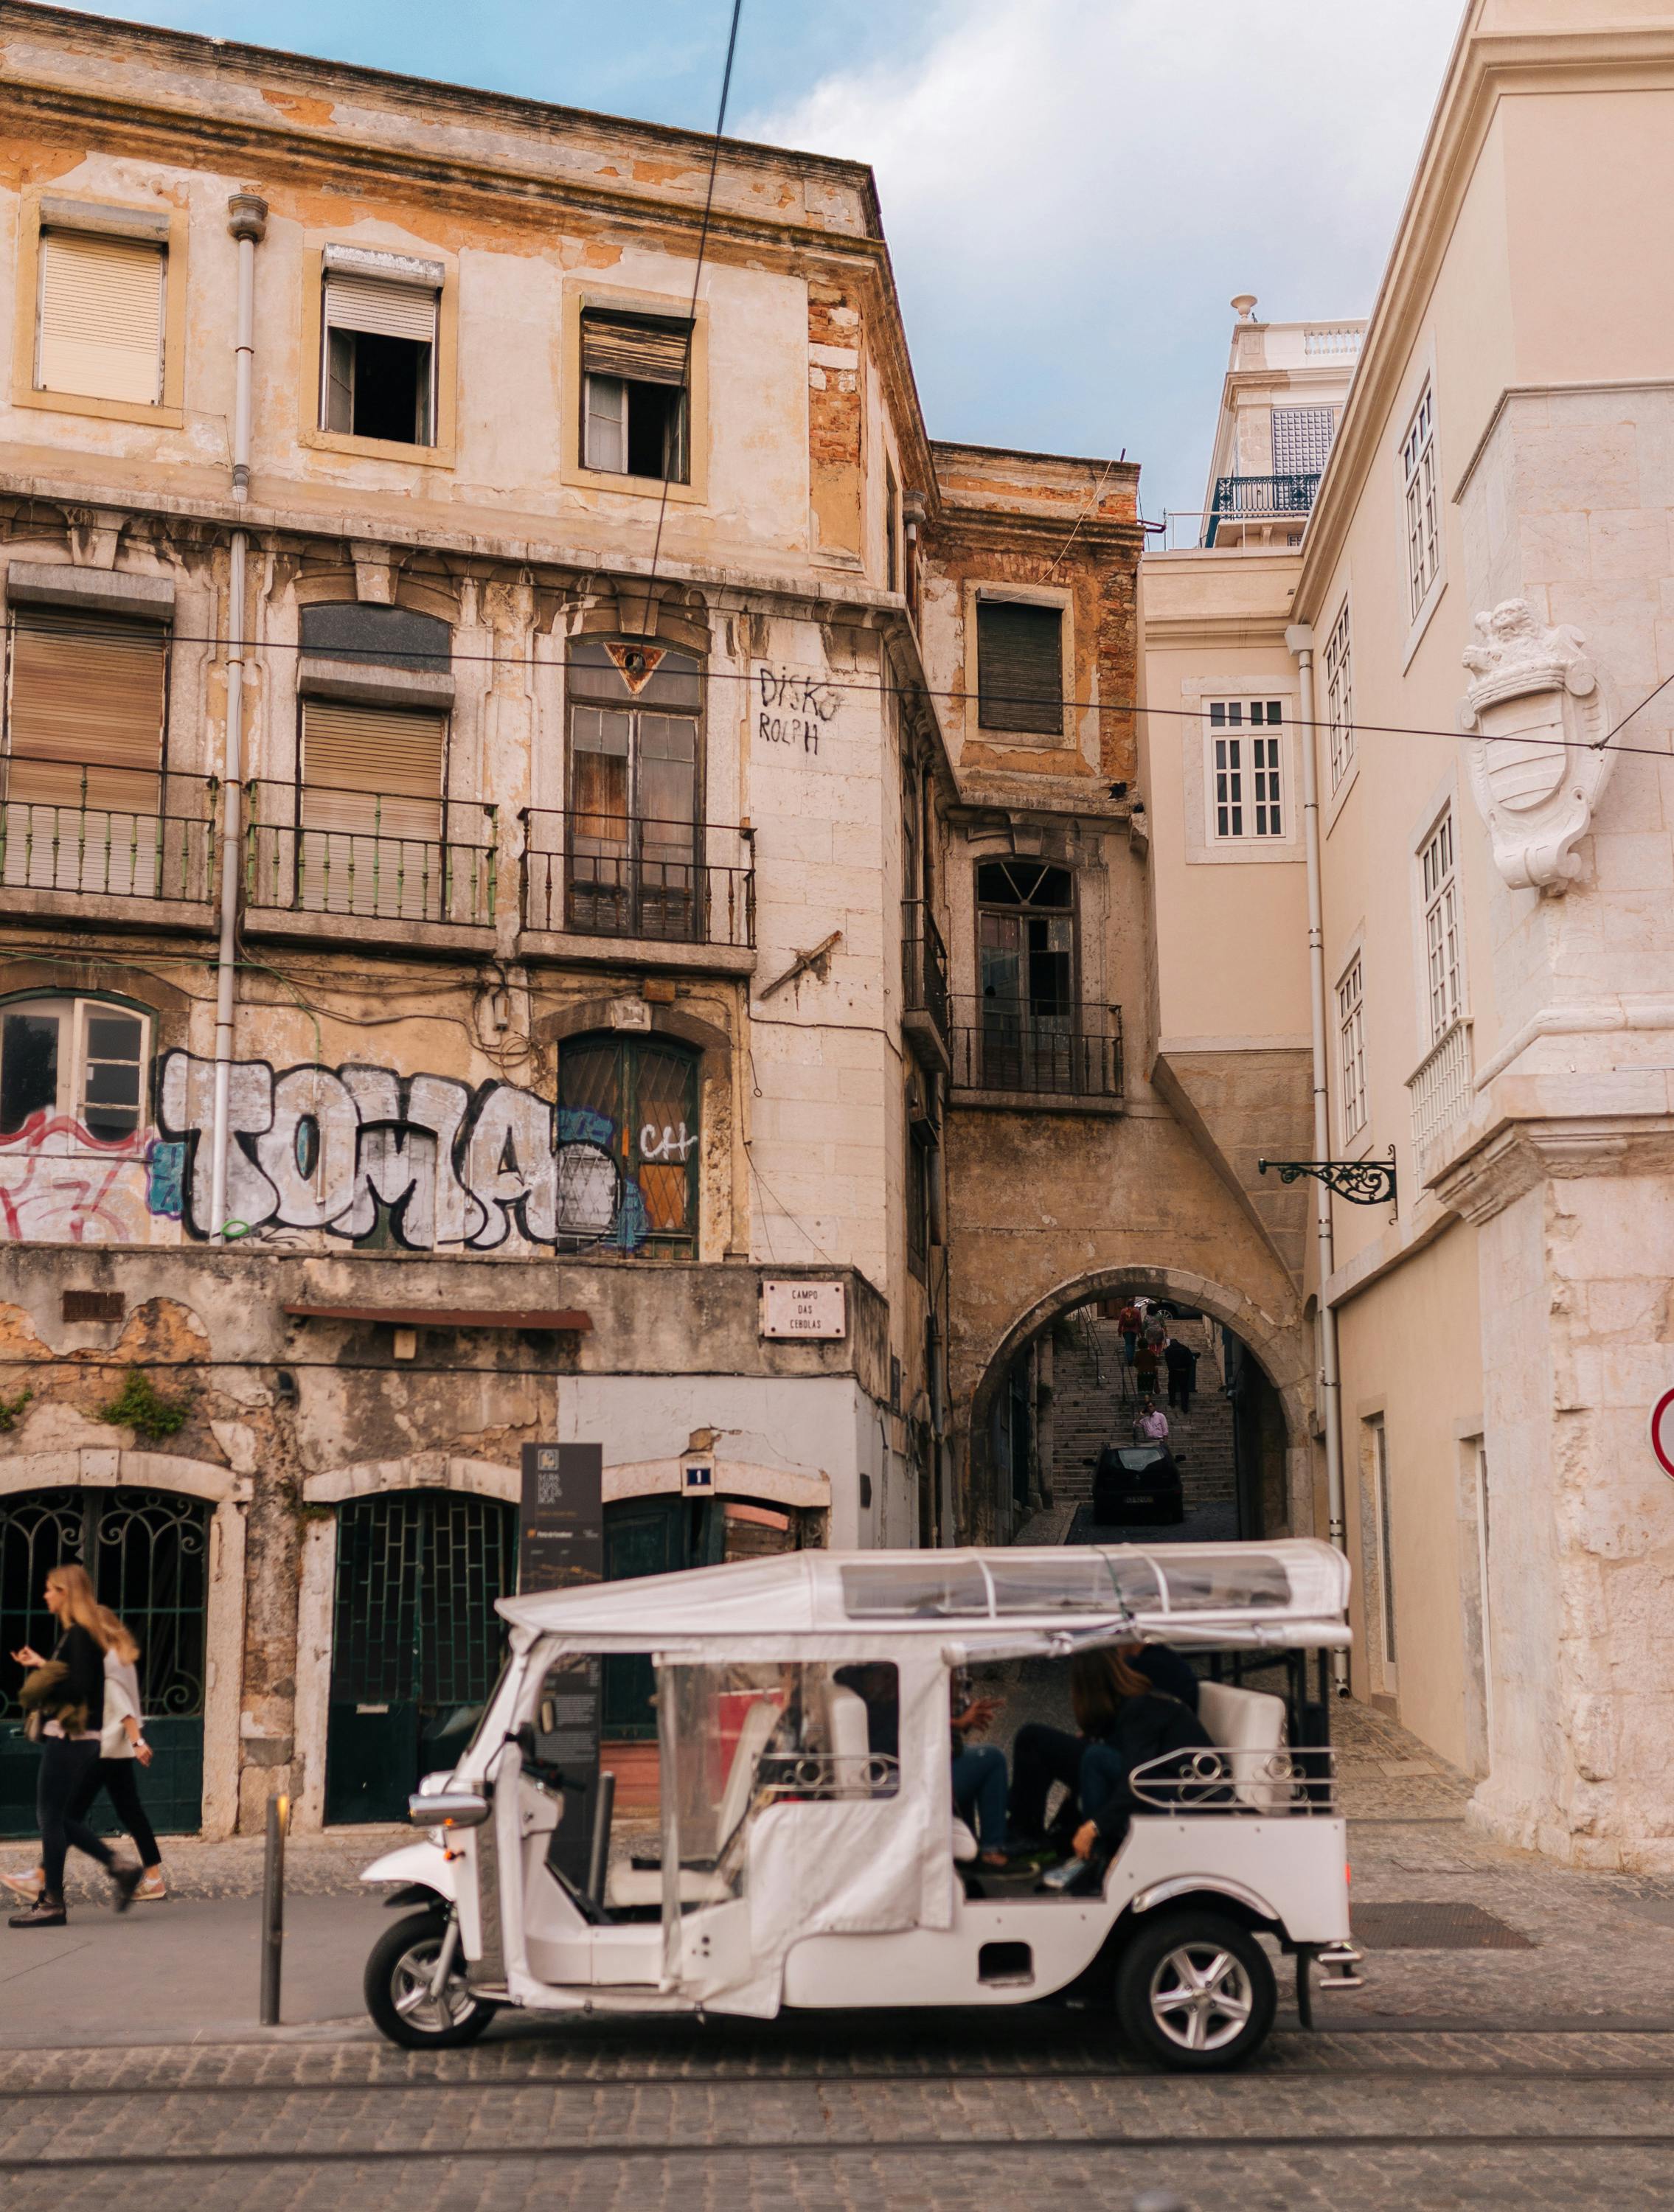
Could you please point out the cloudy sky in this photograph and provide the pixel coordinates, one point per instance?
(1073, 190)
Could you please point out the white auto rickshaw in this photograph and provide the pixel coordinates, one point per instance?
(812, 1858)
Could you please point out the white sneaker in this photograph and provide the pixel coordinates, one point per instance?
(24, 1885)
(151, 1891)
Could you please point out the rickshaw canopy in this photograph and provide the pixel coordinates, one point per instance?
(1291, 1594)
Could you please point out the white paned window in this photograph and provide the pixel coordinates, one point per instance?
(99, 326)
(1302, 440)
(1340, 698)
(1443, 955)
(72, 1072)
(1423, 497)
(1351, 1049)
(1246, 769)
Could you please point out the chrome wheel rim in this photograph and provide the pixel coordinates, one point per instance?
(1201, 1996)
(410, 1991)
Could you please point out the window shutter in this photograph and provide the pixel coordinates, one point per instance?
(643, 349)
(1020, 667)
(386, 310)
(100, 332)
(87, 703)
(372, 771)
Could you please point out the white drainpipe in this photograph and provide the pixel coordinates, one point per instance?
(1298, 640)
(247, 218)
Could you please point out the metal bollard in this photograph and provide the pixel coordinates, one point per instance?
(599, 1857)
(273, 1906)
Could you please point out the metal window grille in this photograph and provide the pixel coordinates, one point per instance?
(1442, 951)
(1418, 469)
(1351, 1037)
(1340, 698)
(1302, 439)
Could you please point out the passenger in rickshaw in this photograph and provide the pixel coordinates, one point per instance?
(979, 1770)
(1123, 1719)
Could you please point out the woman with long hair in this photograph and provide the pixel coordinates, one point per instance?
(64, 1698)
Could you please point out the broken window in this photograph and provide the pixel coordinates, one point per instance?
(100, 327)
(627, 1149)
(632, 824)
(636, 371)
(1020, 667)
(77, 1060)
(379, 357)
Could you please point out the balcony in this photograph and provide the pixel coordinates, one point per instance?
(594, 884)
(382, 868)
(132, 845)
(1440, 1092)
(1247, 505)
(1008, 1053)
(925, 1015)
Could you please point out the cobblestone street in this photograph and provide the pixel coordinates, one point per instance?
(1540, 2075)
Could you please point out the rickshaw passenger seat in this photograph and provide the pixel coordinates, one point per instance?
(1248, 1724)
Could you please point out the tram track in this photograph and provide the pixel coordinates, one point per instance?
(791, 2147)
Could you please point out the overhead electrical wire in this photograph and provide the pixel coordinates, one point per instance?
(910, 690)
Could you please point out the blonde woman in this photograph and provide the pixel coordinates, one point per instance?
(65, 1698)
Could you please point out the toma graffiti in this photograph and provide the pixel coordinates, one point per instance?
(322, 1148)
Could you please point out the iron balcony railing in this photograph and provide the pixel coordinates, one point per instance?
(1440, 1091)
(611, 875)
(376, 855)
(1255, 499)
(106, 832)
(924, 965)
(1036, 1051)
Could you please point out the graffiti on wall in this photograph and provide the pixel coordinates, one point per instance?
(59, 1184)
(336, 1149)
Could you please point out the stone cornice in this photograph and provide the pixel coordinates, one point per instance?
(1515, 1156)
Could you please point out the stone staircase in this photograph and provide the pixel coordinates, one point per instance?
(1094, 1402)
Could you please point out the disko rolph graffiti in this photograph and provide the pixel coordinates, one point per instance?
(338, 1149)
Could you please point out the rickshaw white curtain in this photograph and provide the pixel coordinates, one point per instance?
(867, 1866)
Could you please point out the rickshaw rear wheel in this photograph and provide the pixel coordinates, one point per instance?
(399, 1975)
(1195, 1992)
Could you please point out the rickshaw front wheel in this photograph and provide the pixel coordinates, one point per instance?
(1195, 1992)
(398, 1976)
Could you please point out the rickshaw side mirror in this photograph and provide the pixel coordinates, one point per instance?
(449, 1808)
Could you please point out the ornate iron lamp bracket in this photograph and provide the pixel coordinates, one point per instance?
(1362, 1182)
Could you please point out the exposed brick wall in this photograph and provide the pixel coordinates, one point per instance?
(836, 480)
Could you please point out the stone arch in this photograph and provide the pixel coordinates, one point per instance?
(1278, 1346)
(95, 1467)
(321, 1494)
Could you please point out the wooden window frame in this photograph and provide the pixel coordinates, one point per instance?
(578, 299)
(72, 1076)
(1340, 698)
(1026, 595)
(168, 412)
(1353, 1112)
(444, 368)
(1262, 784)
(1441, 927)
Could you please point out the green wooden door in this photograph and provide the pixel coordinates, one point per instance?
(649, 1536)
(415, 1642)
(147, 1553)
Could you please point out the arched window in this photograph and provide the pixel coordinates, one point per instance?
(1025, 944)
(78, 1063)
(628, 1138)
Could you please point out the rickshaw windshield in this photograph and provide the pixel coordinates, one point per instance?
(738, 1736)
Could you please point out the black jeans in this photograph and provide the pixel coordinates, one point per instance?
(64, 1766)
(120, 1779)
(1040, 1756)
(1179, 1392)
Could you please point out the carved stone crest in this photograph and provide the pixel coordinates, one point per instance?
(1537, 712)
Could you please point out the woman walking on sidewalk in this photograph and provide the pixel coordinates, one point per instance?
(122, 1746)
(65, 1698)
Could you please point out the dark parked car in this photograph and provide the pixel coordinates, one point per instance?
(1136, 1482)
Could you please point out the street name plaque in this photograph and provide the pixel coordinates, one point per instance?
(793, 1308)
(561, 1542)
